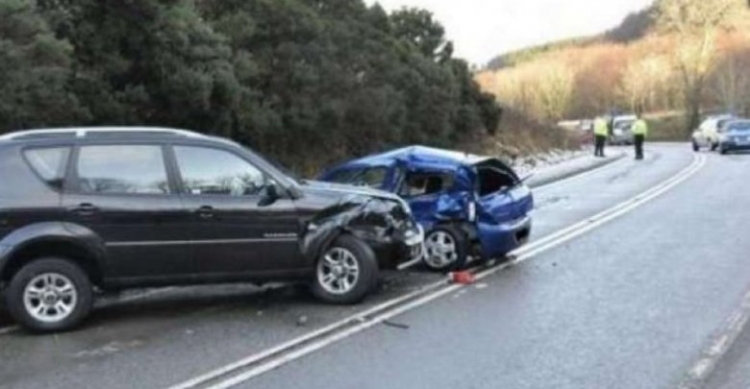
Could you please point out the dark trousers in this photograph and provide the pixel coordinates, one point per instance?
(638, 140)
(599, 142)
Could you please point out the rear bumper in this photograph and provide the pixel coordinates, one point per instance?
(498, 240)
(731, 146)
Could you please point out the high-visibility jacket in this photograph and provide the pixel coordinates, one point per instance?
(640, 127)
(600, 127)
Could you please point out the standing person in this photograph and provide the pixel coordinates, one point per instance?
(601, 130)
(640, 131)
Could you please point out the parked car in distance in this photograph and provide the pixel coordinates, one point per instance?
(734, 136)
(469, 206)
(622, 130)
(707, 134)
(116, 208)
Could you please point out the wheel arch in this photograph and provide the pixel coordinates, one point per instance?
(52, 240)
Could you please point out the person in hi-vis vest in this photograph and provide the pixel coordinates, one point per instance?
(640, 132)
(601, 131)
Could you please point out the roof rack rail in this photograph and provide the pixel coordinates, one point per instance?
(89, 131)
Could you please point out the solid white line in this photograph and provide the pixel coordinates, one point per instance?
(366, 322)
(362, 316)
(594, 221)
(720, 345)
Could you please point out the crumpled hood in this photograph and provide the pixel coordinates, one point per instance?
(341, 190)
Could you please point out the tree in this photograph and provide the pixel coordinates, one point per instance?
(643, 80)
(554, 91)
(35, 69)
(695, 24)
(148, 62)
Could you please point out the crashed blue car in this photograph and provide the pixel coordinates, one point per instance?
(471, 207)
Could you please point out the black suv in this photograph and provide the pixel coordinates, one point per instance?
(113, 208)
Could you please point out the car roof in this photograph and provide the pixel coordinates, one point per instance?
(422, 155)
(625, 117)
(85, 132)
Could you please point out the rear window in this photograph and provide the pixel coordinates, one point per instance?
(740, 127)
(49, 163)
(492, 180)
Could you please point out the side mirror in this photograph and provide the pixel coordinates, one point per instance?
(270, 194)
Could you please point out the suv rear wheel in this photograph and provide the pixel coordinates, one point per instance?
(346, 272)
(49, 294)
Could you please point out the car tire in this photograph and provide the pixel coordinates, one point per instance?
(64, 285)
(446, 249)
(723, 151)
(696, 147)
(714, 146)
(346, 272)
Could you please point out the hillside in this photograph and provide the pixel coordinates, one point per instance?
(689, 56)
(633, 27)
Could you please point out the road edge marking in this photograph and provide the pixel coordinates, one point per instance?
(719, 346)
(254, 365)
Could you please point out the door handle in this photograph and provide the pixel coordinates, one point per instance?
(86, 209)
(205, 212)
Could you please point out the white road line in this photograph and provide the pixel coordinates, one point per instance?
(223, 378)
(542, 188)
(719, 346)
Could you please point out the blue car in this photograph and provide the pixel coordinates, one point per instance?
(471, 207)
(735, 136)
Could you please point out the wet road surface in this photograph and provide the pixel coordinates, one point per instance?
(631, 305)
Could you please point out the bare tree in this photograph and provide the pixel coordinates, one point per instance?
(730, 82)
(554, 91)
(696, 23)
(644, 80)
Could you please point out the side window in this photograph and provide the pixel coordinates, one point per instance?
(49, 163)
(122, 169)
(417, 185)
(207, 171)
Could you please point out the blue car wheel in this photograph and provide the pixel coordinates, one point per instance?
(445, 249)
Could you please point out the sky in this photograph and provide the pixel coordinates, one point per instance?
(482, 29)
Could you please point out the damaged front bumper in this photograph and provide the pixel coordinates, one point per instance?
(401, 248)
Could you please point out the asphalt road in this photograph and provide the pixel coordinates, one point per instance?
(632, 304)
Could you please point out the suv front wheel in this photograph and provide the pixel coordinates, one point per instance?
(346, 272)
(49, 294)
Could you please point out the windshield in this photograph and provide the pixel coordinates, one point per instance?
(372, 177)
(624, 124)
